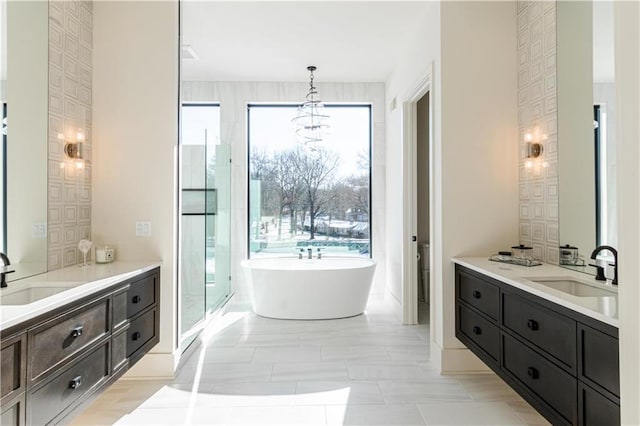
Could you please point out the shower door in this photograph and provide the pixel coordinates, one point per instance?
(205, 219)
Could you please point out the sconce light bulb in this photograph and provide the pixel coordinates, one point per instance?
(80, 136)
(62, 165)
(528, 137)
(79, 164)
(528, 164)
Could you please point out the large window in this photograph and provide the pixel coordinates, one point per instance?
(302, 196)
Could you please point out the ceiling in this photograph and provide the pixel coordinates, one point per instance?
(355, 41)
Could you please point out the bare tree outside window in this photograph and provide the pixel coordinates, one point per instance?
(304, 196)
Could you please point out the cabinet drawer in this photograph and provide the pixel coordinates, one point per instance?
(75, 381)
(553, 385)
(12, 358)
(478, 293)
(552, 332)
(142, 330)
(598, 359)
(596, 410)
(141, 295)
(480, 331)
(57, 340)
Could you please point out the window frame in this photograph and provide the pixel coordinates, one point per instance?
(251, 105)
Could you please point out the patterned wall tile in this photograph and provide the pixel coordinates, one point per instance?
(70, 92)
(537, 108)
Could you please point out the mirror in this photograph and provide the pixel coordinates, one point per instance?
(24, 97)
(586, 130)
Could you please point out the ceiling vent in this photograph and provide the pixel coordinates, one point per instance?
(188, 54)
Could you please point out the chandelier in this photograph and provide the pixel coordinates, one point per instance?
(311, 122)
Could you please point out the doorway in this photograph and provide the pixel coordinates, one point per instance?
(423, 207)
(418, 215)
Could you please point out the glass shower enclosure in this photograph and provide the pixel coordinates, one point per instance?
(205, 218)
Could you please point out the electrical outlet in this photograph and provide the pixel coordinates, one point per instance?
(143, 229)
(38, 231)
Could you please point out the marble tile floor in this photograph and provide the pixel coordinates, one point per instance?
(365, 370)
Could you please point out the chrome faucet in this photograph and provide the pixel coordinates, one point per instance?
(310, 253)
(4, 269)
(600, 275)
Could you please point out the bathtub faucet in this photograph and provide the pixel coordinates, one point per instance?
(309, 253)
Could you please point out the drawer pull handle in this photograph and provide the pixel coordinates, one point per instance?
(75, 383)
(477, 294)
(533, 373)
(77, 332)
(135, 336)
(532, 325)
(136, 299)
(477, 330)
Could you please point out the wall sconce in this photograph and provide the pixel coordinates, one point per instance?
(533, 150)
(73, 149)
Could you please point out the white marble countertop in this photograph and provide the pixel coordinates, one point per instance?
(603, 309)
(81, 280)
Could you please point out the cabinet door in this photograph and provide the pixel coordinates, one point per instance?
(141, 294)
(596, 410)
(598, 359)
(13, 370)
(142, 330)
(13, 412)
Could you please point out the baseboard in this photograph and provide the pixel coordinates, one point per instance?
(154, 366)
(460, 360)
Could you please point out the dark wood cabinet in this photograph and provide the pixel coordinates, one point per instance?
(53, 363)
(546, 329)
(565, 364)
(595, 409)
(13, 357)
(549, 382)
(599, 360)
(481, 332)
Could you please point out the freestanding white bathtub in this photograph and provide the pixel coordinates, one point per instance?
(292, 288)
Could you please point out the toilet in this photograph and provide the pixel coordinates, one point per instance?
(425, 267)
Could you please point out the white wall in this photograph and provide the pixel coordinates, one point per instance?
(627, 52)
(234, 97)
(419, 56)
(135, 135)
(479, 183)
(474, 179)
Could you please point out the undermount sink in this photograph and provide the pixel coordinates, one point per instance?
(33, 293)
(573, 287)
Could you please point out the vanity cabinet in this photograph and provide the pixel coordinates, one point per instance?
(12, 380)
(565, 364)
(54, 363)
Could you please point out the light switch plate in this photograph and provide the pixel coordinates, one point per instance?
(143, 229)
(38, 231)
